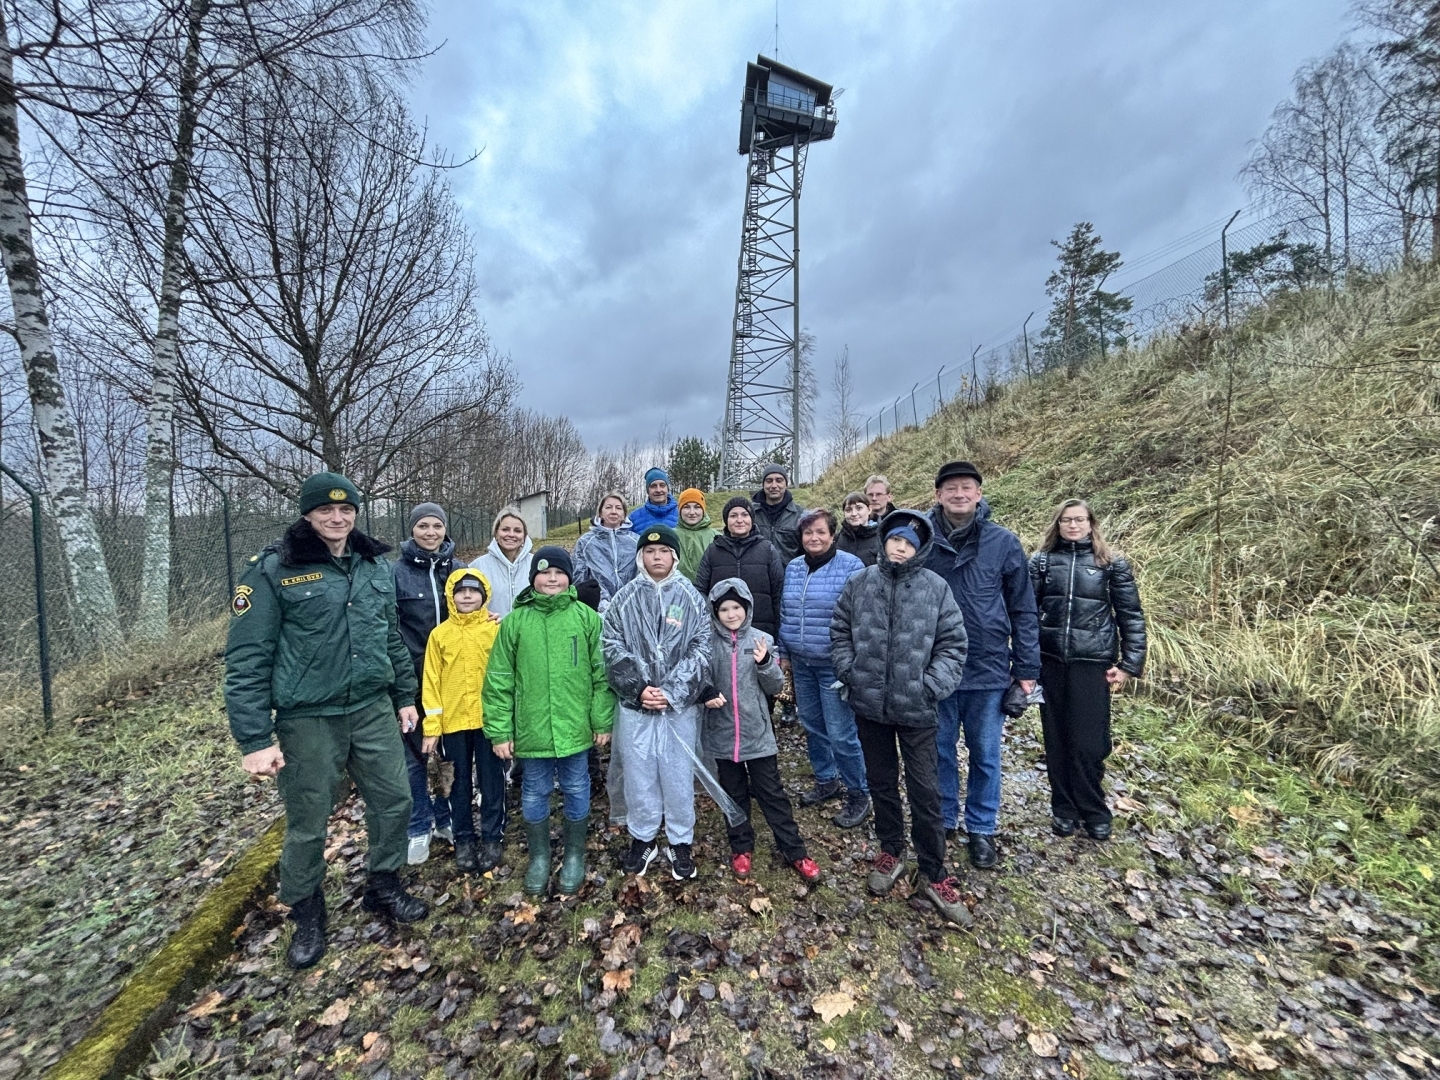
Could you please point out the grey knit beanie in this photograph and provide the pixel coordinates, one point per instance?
(424, 510)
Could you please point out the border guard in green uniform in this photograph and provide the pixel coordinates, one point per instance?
(314, 658)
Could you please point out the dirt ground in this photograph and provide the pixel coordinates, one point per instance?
(1200, 941)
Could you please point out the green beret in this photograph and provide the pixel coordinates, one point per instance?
(660, 534)
(327, 487)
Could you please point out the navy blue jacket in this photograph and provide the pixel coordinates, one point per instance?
(990, 578)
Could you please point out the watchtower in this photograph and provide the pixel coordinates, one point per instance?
(782, 113)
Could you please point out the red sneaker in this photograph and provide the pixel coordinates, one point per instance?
(740, 863)
(808, 869)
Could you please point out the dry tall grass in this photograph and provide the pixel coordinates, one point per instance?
(1310, 622)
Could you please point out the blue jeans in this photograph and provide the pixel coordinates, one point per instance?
(978, 713)
(425, 812)
(830, 735)
(537, 783)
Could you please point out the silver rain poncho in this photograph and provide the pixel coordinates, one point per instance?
(657, 633)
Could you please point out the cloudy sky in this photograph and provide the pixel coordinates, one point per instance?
(606, 197)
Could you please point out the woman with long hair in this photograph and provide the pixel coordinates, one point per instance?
(1092, 641)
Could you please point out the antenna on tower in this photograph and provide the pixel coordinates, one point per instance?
(782, 113)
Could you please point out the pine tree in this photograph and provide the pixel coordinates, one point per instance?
(1083, 317)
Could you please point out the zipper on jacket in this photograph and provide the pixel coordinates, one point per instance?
(435, 592)
(735, 689)
(1069, 605)
(574, 651)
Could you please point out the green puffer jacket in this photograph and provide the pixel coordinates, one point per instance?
(312, 635)
(545, 686)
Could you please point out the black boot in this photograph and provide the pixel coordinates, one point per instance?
(307, 943)
(466, 860)
(385, 894)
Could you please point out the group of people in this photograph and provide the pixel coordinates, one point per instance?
(671, 642)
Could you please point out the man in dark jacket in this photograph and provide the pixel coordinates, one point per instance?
(777, 514)
(425, 562)
(985, 567)
(314, 657)
(898, 644)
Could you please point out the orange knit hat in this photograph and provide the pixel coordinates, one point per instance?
(694, 495)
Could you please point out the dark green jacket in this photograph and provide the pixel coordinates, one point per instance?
(312, 635)
(545, 685)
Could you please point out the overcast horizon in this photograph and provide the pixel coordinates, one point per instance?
(606, 198)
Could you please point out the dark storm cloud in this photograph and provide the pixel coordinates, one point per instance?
(606, 203)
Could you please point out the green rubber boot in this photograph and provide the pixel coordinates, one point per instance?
(572, 864)
(537, 838)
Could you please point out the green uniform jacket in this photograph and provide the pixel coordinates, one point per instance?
(312, 635)
(545, 686)
(694, 539)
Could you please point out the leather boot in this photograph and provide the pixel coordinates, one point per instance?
(537, 875)
(307, 943)
(384, 894)
(572, 864)
(466, 861)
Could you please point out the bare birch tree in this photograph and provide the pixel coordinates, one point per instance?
(844, 420)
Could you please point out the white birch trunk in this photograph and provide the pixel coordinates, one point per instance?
(153, 619)
(59, 444)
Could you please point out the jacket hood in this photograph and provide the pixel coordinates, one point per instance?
(626, 525)
(301, 545)
(483, 611)
(410, 551)
(703, 523)
(736, 585)
(921, 524)
(525, 549)
(640, 571)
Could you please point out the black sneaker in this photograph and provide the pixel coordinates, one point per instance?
(1062, 826)
(831, 789)
(682, 866)
(856, 810)
(638, 859)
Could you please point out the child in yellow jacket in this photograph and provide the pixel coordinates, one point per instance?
(456, 656)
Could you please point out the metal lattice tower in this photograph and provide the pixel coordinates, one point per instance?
(783, 112)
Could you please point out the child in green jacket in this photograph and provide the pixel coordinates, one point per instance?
(547, 701)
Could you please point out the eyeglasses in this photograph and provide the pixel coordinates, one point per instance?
(1075, 521)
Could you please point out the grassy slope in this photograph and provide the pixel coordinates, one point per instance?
(1310, 625)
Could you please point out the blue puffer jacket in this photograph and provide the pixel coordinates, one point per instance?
(807, 603)
(990, 578)
(648, 513)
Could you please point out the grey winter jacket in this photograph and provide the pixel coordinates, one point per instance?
(606, 557)
(740, 730)
(778, 524)
(897, 637)
(657, 633)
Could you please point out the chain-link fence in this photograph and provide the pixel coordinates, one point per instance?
(1265, 252)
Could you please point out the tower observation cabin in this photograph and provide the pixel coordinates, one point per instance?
(782, 112)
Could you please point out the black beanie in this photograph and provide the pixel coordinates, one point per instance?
(730, 594)
(552, 558)
(738, 500)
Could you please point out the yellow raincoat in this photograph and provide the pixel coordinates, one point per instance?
(455, 659)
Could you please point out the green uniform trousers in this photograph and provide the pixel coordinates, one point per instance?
(318, 750)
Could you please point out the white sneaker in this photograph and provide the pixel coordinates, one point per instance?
(447, 834)
(419, 850)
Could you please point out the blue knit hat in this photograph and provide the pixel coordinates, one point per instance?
(908, 532)
(656, 473)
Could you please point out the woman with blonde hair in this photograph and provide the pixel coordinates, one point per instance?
(1092, 640)
(506, 562)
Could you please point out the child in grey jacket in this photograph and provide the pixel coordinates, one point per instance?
(736, 728)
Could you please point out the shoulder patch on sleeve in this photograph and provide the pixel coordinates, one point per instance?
(240, 603)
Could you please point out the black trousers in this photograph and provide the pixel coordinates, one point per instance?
(760, 778)
(883, 745)
(475, 761)
(1076, 722)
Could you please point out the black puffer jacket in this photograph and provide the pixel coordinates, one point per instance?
(420, 592)
(1088, 612)
(897, 637)
(754, 560)
(862, 542)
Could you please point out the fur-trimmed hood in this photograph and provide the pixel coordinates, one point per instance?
(301, 545)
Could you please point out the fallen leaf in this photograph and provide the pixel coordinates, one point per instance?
(1135, 879)
(832, 1005)
(1129, 805)
(1044, 1044)
(524, 914)
(1207, 1055)
(337, 1013)
(1251, 1056)
(679, 1036)
(1042, 957)
(760, 904)
(368, 1040)
(727, 995)
(1246, 815)
(829, 1044)
(906, 1031)
(208, 1004)
(617, 980)
(376, 1050)
(1416, 1059)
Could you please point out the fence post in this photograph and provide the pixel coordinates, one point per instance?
(225, 521)
(914, 411)
(1025, 333)
(42, 624)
